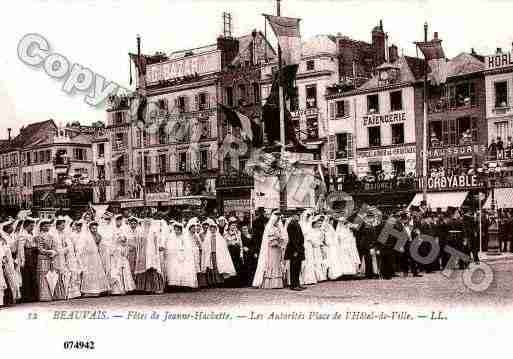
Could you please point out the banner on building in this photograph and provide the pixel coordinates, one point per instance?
(287, 31)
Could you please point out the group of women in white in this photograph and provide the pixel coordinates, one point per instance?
(330, 251)
(44, 260)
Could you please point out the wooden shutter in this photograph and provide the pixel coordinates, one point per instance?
(177, 103)
(187, 161)
(332, 110)
(349, 145)
(346, 108)
(453, 132)
(196, 102)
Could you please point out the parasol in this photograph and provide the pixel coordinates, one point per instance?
(51, 278)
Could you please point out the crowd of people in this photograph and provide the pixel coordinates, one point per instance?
(62, 259)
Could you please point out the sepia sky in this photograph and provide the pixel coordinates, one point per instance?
(98, 34)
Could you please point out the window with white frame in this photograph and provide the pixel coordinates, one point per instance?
(501, 94)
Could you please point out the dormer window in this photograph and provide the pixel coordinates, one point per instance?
(310, 65)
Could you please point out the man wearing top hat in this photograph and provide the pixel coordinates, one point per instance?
(295, 251)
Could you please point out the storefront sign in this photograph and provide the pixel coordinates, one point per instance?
(132, 204)
(498, 61)
(457, 150)
(186, 66)
(236, 205)
(158, 197)
(376, 120)
(450, 182)
(392, 151)
(183, 202)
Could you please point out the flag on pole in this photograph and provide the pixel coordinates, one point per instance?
(249, 128)
(287, 31)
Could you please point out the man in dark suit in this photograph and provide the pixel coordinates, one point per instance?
(295, 252)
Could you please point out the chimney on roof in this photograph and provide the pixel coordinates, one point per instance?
(393, 53)
(472, 51)
(435, 35)
(499, 50)
(378, 44)
(9, 134)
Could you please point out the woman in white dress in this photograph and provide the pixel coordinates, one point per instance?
(269, 273)
(332, 249)
(192, 232)
(216, 260)
(348, 250)
(9, 280)
(317, 238)
(120, 273)
(307, 276)
(180, 262)
(88, 249)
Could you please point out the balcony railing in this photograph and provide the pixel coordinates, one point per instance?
(445, 105)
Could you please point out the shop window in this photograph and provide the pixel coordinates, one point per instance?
(396, 101)
(373, 103)
(312, 126)
(435, 131)
(501, 129)
(310, 65)
(229, 96)
(204, 159)
(464, 165)
(399, 167)
(375, 168)
(374, 136)
(182, 161)
(501, 94)
(397, 133)
(311, 96)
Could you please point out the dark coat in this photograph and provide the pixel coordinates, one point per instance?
(296, 242)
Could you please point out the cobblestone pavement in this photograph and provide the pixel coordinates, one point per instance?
(430, 290)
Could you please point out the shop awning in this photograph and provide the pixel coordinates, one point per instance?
(503, 198)
(440, 199)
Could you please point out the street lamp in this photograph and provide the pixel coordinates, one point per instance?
(491, 171)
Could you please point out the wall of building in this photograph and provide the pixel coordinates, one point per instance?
(500, 120)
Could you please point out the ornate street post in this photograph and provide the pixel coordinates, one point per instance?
(493, 228)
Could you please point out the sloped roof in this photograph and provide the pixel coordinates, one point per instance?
(29, 134)
(318, 44)
(406, 75)
(463, 64)
(263, 47)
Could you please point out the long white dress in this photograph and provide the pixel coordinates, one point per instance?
(94, 280)
(316, 237)
(120, 273)
(270, 269)
(333, 260)
(308, 266)
(348, 251)
(180, 262)
(223, 259)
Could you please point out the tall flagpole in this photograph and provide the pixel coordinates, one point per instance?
(143, 165)
(283, 189)
(424, 125)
